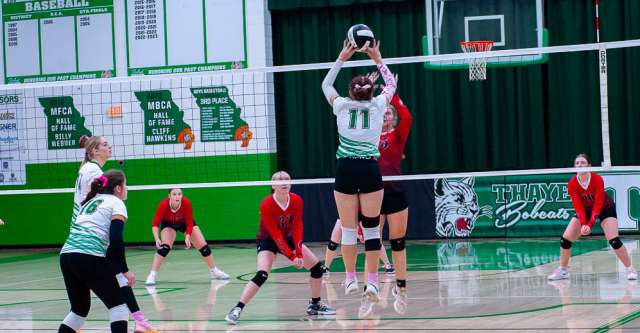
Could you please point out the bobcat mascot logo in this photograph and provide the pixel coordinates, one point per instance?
(457, 207)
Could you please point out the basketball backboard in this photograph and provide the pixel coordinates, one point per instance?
(510, 24)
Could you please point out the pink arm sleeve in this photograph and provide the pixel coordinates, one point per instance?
(389, 81)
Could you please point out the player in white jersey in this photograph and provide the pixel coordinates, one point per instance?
(358, 184)
(97, 152)
(97, 229)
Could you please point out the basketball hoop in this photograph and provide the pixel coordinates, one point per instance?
(477, 66)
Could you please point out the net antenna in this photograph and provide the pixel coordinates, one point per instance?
(604, 95)
(477, 66)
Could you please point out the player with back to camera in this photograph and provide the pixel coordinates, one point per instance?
(280, 231)
(99, 225)
(591, 203)
(97, 152)
(358, 185)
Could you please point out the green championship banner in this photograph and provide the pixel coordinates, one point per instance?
(523, 206)
(65, 124)
(58, 40)
(169, 37)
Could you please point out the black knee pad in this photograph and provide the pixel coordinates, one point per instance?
(565, 243)
(615, 243)
(164, 250)
(370, 222)
(332, 246)
(372, 244)
(205, 251)
(316, 271)
(260, 278)
(397, 244)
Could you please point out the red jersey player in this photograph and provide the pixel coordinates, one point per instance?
(395, 131)
(174, 214)
(591, 203)
(394, 210)
(280, 231)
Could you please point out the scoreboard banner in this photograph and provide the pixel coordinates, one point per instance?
(182, 36)
(57, 40)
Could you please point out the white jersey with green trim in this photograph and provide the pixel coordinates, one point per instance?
(87, 173)
(90, 231)
(359, 125)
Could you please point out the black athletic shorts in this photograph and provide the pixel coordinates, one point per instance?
(84, 272)
(269, 245)
(605, 213)
(393, 202)
(177, 227)
(357, 175)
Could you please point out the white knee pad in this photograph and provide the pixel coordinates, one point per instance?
(371, 233)
(119, 313)
(122, 280)
(74, 321)
(349, 236)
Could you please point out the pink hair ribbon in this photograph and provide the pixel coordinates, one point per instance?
(104, 181)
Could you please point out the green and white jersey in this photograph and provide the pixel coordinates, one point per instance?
(359, 125)
(90, 231)
(87, 173)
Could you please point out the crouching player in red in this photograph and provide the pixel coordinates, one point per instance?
(175, 214)
(280, 231)
(591, 203)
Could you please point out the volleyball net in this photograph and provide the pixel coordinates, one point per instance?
(236, 127)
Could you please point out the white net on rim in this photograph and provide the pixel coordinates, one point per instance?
(477, 66)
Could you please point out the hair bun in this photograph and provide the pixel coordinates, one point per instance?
(83, 141)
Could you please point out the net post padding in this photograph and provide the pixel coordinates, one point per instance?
(477, 66)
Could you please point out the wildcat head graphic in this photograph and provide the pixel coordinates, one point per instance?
(457, 207)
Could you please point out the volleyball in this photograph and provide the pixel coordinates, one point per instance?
(359, 35)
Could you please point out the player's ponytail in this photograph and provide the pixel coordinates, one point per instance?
(361, 88)
(105, 184)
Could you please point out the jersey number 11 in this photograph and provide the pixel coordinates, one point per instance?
(354, 118)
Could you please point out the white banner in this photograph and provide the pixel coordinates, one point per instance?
(12, 166)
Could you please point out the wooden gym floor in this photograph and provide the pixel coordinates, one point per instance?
(459, 285)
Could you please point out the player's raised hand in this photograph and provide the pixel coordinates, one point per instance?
(373, 76)
(373, 52)
(347, 52)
